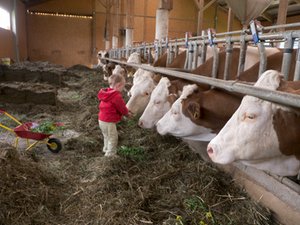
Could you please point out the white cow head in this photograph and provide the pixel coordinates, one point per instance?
(158, 104)
(119, 70)
(135, 57)
(101, 55)
(249, 135)
(174, 122)
(143, 85)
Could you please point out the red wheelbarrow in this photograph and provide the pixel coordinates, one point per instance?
(26, 130)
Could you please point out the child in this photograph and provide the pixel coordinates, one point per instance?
(111, 109)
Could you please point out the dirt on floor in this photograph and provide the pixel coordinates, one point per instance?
(153, 180)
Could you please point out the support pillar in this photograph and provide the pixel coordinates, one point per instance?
(107, 44)
(116, 26)
(162, 19)
(115, 41)
(129, 23)
(162, 24)
(282, 12)
(129, 37)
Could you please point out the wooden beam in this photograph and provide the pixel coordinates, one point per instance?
(30, 3)
(230, 20)
(208, 5)
(102, 3)
(267, 16)
(197, 4)
(200, 18)
(129, 13)
(165, 4)
(282, 12)
(200, 5)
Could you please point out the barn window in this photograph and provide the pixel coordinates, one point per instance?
(4, 19)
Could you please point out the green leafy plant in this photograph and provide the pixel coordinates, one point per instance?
(131, 122)
(47, 127)
(136, 153)
(196, 203)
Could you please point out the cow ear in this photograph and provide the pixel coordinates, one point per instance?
(156, 77)
(194, 110)
(172, 98)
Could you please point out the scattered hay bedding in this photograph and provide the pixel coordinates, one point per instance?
(171, 185)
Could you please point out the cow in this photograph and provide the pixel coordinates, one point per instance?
(159, 103)
(252, 59)
(110, 67)
(274, 62)
(162, 97)
(135, 58)
(108, 70)
(179, 61)
(101, 55)
(198, 115)
(143, 84)
(120, 70)
(141, 91)
(260, 133)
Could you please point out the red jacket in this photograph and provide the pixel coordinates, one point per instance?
(112, 106)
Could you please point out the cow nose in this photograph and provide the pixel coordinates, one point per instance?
(210, 150)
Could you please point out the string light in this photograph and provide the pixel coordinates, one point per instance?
(58, 15)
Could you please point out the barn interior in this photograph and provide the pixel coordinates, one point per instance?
(50, 71)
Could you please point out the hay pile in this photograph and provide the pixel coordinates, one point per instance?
(168, 185)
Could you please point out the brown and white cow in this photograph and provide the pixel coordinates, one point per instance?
(198, 115)
(100, 56)
(143, 84)
(161, 100)
(261, 133)
(141, 91)
(159, 103)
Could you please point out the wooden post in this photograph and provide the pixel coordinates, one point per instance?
(129, 14)
(162, 19)
(200, 17)
(230, 20)
(129, 22)
(282, 11)
(116, 24)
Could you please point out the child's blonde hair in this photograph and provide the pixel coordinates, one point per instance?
(115, 79)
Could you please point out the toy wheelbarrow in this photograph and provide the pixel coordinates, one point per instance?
(27, 131)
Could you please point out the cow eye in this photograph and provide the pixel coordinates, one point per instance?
(157, 102)
(146, 93)
(250, 116)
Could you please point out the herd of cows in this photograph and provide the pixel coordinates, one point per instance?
(256, 132)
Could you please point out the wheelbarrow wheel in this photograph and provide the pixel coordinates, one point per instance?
(54, 145)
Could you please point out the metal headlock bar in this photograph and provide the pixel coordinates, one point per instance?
(192, 44)
(233, 86)
(199, 39)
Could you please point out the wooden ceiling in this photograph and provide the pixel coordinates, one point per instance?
(29, 3)
(269, 14)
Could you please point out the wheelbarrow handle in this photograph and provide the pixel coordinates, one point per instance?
(10, 116)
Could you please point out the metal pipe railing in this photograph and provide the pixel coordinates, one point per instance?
(282, 98)
(287, 55)
(181, 41)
